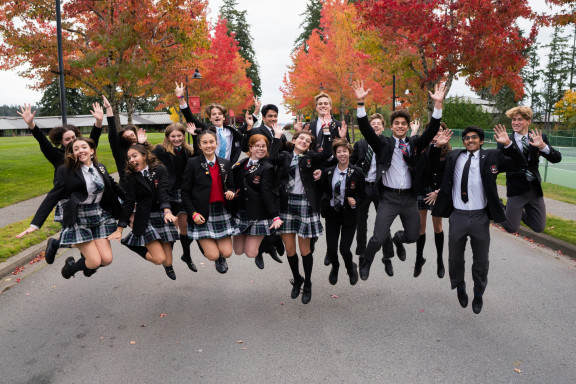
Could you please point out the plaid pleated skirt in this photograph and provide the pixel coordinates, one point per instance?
(219, 225)
(59, 211)
(300, 218)
(422, 206)
(252, 227)
(157, 229)
(92, 222)
(176, 205)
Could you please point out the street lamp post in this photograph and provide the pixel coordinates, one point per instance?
(61, 64)
(197, 76)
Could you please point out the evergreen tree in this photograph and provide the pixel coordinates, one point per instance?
(555, 75)
(531, 75)
(237, 24)
(10, 110)
(312, 16)
(77, 103)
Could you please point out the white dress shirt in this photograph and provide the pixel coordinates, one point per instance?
(335, 179)
(91, 186)
(518, 139)
(476, 197)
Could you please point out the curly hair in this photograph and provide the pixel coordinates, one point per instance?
(55, 134)
(70, 160)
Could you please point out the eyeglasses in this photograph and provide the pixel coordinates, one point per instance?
(471, 137)
(259, 146)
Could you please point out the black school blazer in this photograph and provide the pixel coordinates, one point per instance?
(308, 163)
(383, 147)
(169, 160)
(516, 182)
(355, 188)
(492, 162)
(197, 184)
(255, 187)
(148, 196)
(72, 185)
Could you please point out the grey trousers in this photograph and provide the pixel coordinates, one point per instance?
(476, 225)
(392, 205)
(528, 207)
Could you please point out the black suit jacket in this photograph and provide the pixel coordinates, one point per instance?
(384, 148)
(516, 182)
(237, 135)
(72, 185)
(255, 188)
(148, 196)
(355, 188)
(492, 162)
(334, 134)
(307, 164)
(266, 132)
(169, 160)
(197, 185)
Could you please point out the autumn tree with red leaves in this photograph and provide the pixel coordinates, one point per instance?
(332, 60)
(446, 39)
(123, 49)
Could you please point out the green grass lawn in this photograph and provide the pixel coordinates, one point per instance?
(25, 173)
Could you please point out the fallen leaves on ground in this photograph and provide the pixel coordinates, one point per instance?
(334, 296)
(132, 342)
(162, 315)
(517, 370)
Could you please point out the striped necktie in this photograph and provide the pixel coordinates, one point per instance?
(338, 198)
(96, 180)
(368, 160)
(292, 173)
(525, 147)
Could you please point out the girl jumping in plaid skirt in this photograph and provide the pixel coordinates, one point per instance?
(153, 232)
(299, 200)
(92, 200)
(207, 188)
(255, 202)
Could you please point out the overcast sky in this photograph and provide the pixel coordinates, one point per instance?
(274, 27)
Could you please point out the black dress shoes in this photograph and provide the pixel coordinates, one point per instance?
(274, 255)
(477, 304)
(279, 244)
(221, 265)
(89, 272)
(170, 272)
(189, 263)
(440, 269)
(418, 266)
(462, 296)
(400, 250)
(259, 261)
(51, 249)
(388, 267)
(333, 276)
(326, 260)
(353, 274)
(66, 270)
(365, 268)
(307, 293)
(296, 285)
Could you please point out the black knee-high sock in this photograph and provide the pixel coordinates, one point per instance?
(420, 246)
(79, 265)
(293, 262)
(185, 241)
(307, 262)
(439, 240)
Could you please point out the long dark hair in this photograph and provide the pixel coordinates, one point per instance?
(151, 160)
(70, 161)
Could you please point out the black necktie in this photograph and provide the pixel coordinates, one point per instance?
(464, 184)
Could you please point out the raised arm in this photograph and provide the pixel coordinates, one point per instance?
(185, 108)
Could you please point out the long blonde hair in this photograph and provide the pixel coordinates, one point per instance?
(168, 145)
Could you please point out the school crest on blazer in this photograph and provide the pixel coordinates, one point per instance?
(494, 169)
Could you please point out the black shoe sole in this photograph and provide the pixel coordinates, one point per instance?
(51, 250)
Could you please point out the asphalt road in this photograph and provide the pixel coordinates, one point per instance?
(130, 324)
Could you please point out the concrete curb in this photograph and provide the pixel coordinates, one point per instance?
(23, 258)
(549, 241)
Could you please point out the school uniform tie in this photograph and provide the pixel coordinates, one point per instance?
(211, 164)
(368, 160)
(338, 198)
(96, 180)
(292, 173)
(525, 147)
(464, 184)
(405, 155)
(146, 175)
(222, 149)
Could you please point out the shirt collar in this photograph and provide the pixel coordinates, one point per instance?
(145, 169)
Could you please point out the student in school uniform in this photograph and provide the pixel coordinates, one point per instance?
(299, 201)
(60, 137)
(88, 215)
(146, 186)
(174, 152)
(342, 187)
(255, 203)
(207, 189)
